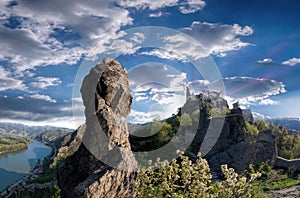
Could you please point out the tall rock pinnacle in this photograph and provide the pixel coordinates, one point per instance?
(104, 165)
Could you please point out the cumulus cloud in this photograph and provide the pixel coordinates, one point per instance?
(7, 82)
(37, 110)
(191, 6)
(169, 91)
(185, 6)
(118, 44)
(44, 82)
(259, 116)
(213, 39)
(265, 61)
(138, 117)
(157, 14)
(246, 90)
(37, 40)
(140, 98)
(268, 102)
(43, 97)
(292, 62)
(156, 89)
(150, 4)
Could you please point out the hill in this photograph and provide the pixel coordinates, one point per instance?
(11, 143)
(46, 134)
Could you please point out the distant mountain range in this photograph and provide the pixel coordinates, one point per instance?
(293, 124)
(36, 132)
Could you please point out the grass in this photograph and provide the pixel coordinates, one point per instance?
(289, 182)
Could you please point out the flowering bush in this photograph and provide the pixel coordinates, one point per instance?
(184, 178)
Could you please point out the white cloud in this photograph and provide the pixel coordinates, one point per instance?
(171, 94)
(268, 102)
(219, 38)
(117, 44)
(185, 6)
(7, 82)
(246, 90)
(213, 38)
(156, 14)
(199, 82)
(259, 116)
(145, 117)
(150, 4)
(70, 85)
(265, 61)
(140, 98)
(36, 42)
(157, 89)
(38, 110)
(43, 97)
(292, 62)
(44, 82)
(191, 6)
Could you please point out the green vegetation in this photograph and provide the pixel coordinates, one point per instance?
(288, 145)
(217, 112)
(10, 143)
(275, 179)
(186, 120)
(261, 125)
(42, 179)
(52, 192)
(276, 185)
(252, 129)
(183, 178)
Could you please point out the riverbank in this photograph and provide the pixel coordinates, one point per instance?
(12, 143)
(12, 151)
(19, 166)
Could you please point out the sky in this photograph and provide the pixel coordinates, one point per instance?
(248, 50)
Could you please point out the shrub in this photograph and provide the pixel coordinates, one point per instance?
(183, 178)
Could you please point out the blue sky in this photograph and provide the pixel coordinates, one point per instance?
(252, 47)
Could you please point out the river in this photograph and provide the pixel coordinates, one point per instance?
(14, 166)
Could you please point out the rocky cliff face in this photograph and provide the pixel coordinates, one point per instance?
(233, 145)
(84, 174)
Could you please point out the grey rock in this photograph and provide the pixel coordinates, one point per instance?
(85, 174)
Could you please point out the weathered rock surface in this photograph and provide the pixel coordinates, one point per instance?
(84, 174)
(233, 144)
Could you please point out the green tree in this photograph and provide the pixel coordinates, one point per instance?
(215, 112)
(195, 116)
(155, 127)
(252, 129)
(176, 123)
(261, 125)
(186, 120)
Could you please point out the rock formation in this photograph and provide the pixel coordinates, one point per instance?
(232, 145)
(85, 174)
